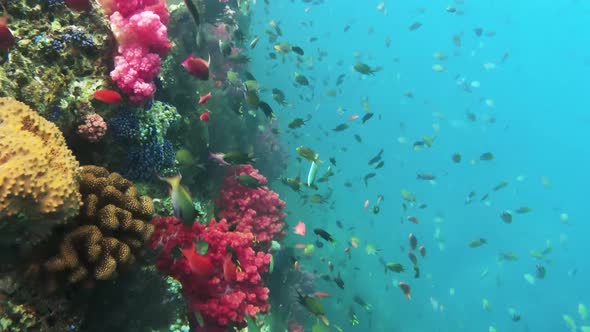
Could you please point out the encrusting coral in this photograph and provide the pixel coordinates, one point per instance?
(113, 226)
(38, 173)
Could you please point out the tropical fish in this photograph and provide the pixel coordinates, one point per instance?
(308, 154)
(254, 42)
(313, 305)
(422, 251)
(506, 216)
(266, 109)
(582, 311)
(365, 69)
(6, 37)
(199, 264)
(394, 267)
(413, 258)
(324, 235)
(523, 209)
(501, 185)
(205, 98)
(486, 305)
(205, 116)
(297, 50)
(197, 67)
(249, 181)
(507, 256)
(367, 116)
(182, 202)
(238, 158)
(338, 280)
(569, 322)
(341, 127)
(313, 170)
(369, 176)
(456, 157)
(299, 229)
(425, 176)
(477, 243)
(408, 196)
(486, 156)
(414, 26)
(298, 122)
(301, 79)
(360, 301)
(107, 96)
(405, 289)
(78, 5)
(413, 241)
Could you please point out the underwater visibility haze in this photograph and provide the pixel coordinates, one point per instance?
(294, 165)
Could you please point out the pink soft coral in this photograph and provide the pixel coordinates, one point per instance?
(234, 289)
(254, 210)
(140, 29)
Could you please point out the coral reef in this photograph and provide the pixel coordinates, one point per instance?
(253, 210)
(38, 178)
(224, 284)
(59, 60)
(142, 37)
(111, 229)
(94, 128)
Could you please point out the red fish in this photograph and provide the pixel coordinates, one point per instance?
(229, 269)
(78, 5)
(406, 289)
(108, 96)
(353, 117)
(204, 117)
(413, 219)
(422, 250)
(197, 67)
(300, 229)
(199, 264)
(413, 241)
(321, 294)
(6, 37)
(300, 246)
(205, 98)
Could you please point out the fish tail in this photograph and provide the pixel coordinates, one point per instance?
(173, 181)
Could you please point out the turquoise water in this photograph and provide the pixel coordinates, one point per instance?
(535, 96)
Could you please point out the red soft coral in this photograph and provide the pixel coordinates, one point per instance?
(254, 210)
(232, 291)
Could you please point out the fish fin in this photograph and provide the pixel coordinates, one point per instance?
(173, 181)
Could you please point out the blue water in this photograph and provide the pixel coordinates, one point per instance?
(541, 116)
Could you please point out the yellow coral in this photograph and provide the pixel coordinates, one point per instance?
(38, 173)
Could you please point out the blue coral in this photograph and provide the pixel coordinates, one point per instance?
(124, 126)
(147, 159)
(78, 38)
(54, 3)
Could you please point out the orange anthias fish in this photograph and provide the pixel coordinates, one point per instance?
(229, 269)
(406, 289)
(6, 37)
(205, 98)
(205, 116)
(197, 67)
(321, 294)
(199, 264)
(299, 229)
(108, 96)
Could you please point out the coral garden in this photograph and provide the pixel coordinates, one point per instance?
(102, 247)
